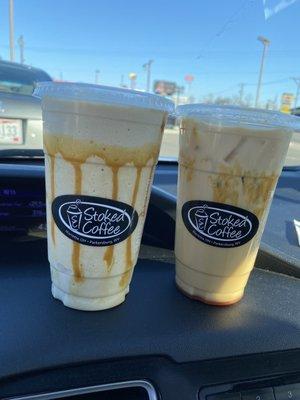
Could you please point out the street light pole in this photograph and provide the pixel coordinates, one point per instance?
(297, 81)
(179, 91)
(97, 72)
(177, 95)
(147, 67)
(265, 43)
(21, 44)
(241, 93)
(11, 30)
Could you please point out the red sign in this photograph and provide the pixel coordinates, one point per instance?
(189, 78)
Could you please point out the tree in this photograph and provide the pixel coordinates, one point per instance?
(209, 98)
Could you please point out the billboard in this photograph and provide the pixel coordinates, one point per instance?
(164, 88)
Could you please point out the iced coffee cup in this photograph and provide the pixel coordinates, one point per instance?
(101, 146)
(229, 163)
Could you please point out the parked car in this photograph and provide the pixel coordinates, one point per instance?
(20, 112)
(296, 111)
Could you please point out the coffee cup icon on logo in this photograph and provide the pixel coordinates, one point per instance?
(74, 215)
(201, 218)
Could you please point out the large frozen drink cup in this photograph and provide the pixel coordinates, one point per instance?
(101, 146)
(230, 160)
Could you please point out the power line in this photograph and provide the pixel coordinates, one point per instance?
(224, 90)
(270, 82)
(245, 84)
(224, 27)
(182, 55)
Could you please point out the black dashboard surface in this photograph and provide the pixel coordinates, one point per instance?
(38, 332)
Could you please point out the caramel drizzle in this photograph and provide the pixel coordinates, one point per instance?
(75, 262)
(78, 151)
(149, 187)
(256, 190)
(115, 189)
(134, 196)
(108, 257)
(125, 279)
(52, 171)
(78, 177)
(78, 275)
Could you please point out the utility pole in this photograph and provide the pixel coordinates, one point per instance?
(147, 68)
(275, 102)
(177, 95)
(265, 43)
(297, 82)
(179, 91)
(11, 30)
(189, 80)
(241, 93)
(21, 44)
(97, 72)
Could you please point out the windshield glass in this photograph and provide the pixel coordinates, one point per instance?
(11, 86)
(17, 79)
(244, 53)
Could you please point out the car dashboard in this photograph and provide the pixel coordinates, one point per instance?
(158, 344)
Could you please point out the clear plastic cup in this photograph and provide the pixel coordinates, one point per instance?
(101, 146)
(229, 163)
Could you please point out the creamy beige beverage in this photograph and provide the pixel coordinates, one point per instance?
(230, 160)
(101, 146)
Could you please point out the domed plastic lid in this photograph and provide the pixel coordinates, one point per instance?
(103, 94)
(239, 116)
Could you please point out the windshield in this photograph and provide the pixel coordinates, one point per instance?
(244, 53)
(15, 79)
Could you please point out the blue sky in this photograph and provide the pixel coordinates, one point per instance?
(213, 40)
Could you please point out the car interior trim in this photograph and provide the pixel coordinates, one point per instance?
(92, 389)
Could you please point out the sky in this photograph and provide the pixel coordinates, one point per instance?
(215, 41)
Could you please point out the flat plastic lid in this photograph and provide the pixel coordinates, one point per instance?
(103, 94)
(239, 116)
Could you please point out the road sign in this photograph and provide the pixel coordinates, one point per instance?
(287, 100)
(189, 78)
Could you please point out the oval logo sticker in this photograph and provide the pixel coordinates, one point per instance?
(94, 221)
(219, 225)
